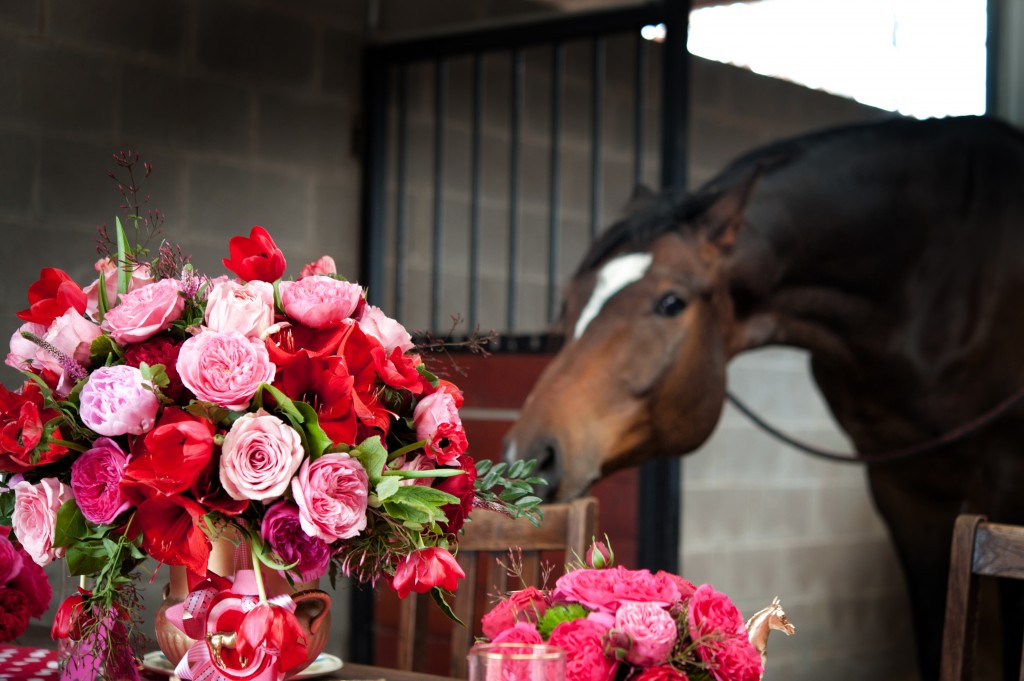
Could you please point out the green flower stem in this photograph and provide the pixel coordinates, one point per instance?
(436, 473)
(406, 449)
(74, 446)
(258, 567)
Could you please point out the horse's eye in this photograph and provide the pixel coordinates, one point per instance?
(669, 305)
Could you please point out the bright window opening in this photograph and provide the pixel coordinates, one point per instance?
(921, 58)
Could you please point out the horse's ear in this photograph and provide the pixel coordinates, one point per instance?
(724, 217)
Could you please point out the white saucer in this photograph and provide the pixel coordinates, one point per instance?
(156, 661)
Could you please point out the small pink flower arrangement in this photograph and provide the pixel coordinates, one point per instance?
(623, 625)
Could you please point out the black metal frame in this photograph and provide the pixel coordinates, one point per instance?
(660, 493)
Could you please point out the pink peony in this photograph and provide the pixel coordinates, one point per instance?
(225, 368)
(323, 265)
(24, 353)
(107, 269)
(320, 301)
(522, 632)
(332, 496)
(95, 481)
(720, 636)
(145, 312)
(388, 331)
(282, 530)
(437, 421)
(259, 456)
(10, 561)
(651, 631)
(583, 643)
(247, 309)
(115, 401)
(35, 517)
(525, 605)
(608, 588)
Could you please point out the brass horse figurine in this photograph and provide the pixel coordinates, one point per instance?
(893, 252)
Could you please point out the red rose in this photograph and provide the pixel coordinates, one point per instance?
(525, 605)
(720, 636)
(583, 643)
(463, 487)
(257, 258)
(22, 422)
(424, 569)
(170, 456)
(13, 614)
(159, 350)
(34, 583)
(275, 629)
(51, 296)
(662, 673)
(324, 383)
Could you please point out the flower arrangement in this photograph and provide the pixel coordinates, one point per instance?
(24, 589)
(620, 624)
(164, 408)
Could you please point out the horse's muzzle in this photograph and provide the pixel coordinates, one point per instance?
(548, 455)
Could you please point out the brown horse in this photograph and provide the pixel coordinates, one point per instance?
(893, 252)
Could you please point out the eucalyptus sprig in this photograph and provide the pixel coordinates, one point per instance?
(511, 485)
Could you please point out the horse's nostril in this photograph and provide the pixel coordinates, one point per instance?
(549, 466)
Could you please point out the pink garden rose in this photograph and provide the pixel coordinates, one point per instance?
(115, 401)
(583, 643)
(259, 456)
(282, 530)
(10, 560)
(322, 265)
(437, 421)
(388, 331)
(23, 354)
(525, 605)
(247, 309)
(720, 636)
(522, 632)
(662, 673)
(95, 481)
(225, 368)
(607, 589)
(71, 334)
(35, 517)
(651, 631)
(332, 496)
(145, 312)
(320, 301)
(107, 270)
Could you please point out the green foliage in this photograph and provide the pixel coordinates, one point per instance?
(557, 614)
(511, 485)
(301, 416)
(417, 506)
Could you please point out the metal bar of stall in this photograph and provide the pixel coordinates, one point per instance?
(440, 90)
(401, 226)
(639, 119)
(596, 130)
(474, 209)
(557, 80)
(515, 123)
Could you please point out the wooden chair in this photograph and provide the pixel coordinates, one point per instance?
(567, 529)
(979, 549)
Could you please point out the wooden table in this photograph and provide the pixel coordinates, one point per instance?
(368, 673)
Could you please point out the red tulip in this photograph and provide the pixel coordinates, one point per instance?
(51, 296)
(424, 569)
(71, 617)
(277, 630)
(256, 258)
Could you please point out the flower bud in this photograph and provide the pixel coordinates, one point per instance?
(600, 555)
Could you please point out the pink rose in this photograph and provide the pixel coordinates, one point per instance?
(319, 301)
(608, 588)
(247, 309)
(225, 368)
(259, 456)
(323, 265)
(24, 353)
(583, 643)
(437, 421)
(525, 605)
(388, 331)
(332, 495)
(662, 673)
(107, 269)
(95, 481)
(71, 334)
(651, 631)
(282, 530)
(116, 401)
(145, 312)
(521, 632)
(35, 517)
(424, 569)
(10, 561)
(720, 636)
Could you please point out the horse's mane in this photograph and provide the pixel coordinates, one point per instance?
(651, 215)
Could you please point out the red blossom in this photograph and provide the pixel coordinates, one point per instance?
(284, 345)
(22, 420)
(170, 456)
(426, 568)
(51, 296)
(256, 258)
(275, 629)
(325, 384)
(14, 614)
(172, 533)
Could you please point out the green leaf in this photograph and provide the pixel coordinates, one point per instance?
(387, 487)
(103, 304)
(317, 440)
(124, 270)
(418, 504)
(102, 349)
(71, 525)
(209, 411)
(431, 378)
(373, 456)
(438, 595)
(84, 560)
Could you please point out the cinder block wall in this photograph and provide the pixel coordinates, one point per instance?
(249, 110)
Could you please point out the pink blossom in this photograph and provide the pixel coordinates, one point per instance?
(608, 588)
(388, 331)
(525, 605)
(145, 312)
(319, 301)
(116, 401)
(651, 631)
(332, 495)
(720, 636)
(282, 530)
(24, 353)
(259, 456)
(106, 267)
(437, 421)
(95, 481)
(662, 673)
(521, 632)
(225, 368)
(322, 265)
(583, 643)
(35, 517)
(247, 309)
(71, 334)
(10, 561)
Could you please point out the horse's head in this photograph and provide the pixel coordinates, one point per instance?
(648, 330)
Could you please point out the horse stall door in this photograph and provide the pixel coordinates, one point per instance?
(495, 387)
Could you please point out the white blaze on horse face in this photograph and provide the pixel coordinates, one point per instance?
(616, 275)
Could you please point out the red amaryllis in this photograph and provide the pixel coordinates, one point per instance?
(275, 629)
(13, 614)
(424, 569)
(295, 338)
(172, 533)
(357, 351)
(171, 455)
(23, 422)
(256, 258)
(398, 370)
(51, 296)
(324, 383)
